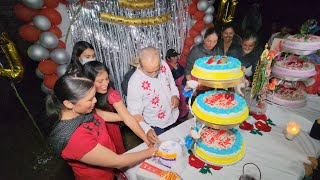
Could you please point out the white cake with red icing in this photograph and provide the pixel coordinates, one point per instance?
(302, 42)
(288, 96)
(293, 67)
(220, 147)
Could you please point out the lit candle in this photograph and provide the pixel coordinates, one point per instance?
(293, 129)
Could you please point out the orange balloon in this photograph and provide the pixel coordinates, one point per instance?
(53, 15)
(189, 42)
(186, 50)
(193, 33)
(51, 3)
(55, 30)
(199, 15)
(182, 60)
(24, 13)
(29, 33)
(47, 67)
(61, 45)
(64, 2)
(50, 80)
(192, 9)
(82, 1)
(195, 1)
(199, 26)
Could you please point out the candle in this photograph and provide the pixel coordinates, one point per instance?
(293, 129)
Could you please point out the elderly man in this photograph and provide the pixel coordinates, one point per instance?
(153, 94)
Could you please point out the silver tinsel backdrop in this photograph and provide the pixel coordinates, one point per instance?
(116, 45)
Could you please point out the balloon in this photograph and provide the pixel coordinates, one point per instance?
(186, 50)
(37, 52)
(34, 4)
(193, 33)
(29, 33)
(47, 67)
(45, 89)
(211, 1)
(51, 3)
(50, 80)
(15, 69)
(203, 32)
(208, 18)
(183, 60)
(202, 5)
(41, 22)
(210, 10)
(55, 30)
(61, 70)
(39, 74)
(198, 39)
(195, 1)
(60, 56)
(49, 40)
(199, 15)
(24, 13)
(61, 45)
(199, 26)
(189, 41)
(192, 9)
(53, 15)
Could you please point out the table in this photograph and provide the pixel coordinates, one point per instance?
(277, 157)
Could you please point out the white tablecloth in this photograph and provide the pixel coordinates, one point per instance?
(277, 157)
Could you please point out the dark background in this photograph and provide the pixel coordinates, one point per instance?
(21, 148)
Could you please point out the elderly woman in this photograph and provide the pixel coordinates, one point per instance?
(230, 44)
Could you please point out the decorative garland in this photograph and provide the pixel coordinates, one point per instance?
(136, 4)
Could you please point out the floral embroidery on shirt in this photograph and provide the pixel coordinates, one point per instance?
(145, 85)
(161, 115)
(155, 100)
(163, 69)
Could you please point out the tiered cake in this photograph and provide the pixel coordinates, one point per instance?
(217, 111)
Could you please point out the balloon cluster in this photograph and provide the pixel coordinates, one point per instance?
(137, 4)
(136, 21)
(201, 12)
(42, 28)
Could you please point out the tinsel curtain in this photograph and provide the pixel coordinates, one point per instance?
(116, 45)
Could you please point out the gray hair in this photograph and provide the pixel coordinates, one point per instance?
(146, 50)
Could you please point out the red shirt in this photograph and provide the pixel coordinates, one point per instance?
(83, 140)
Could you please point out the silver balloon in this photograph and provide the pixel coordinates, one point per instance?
(207, 19)
(61, 69)
(60, 56)
(45, 89)
(198, 39)
(37, 52)
(73, 1)
(33, 4)
(39, 74)
(203, 31)
(202, 5)
(49, 40)
(42, 22)
(210, 10)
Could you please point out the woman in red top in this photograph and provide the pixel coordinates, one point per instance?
(109, 99)
(80, 137)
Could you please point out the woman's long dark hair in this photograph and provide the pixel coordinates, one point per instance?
(69, 87)
(78, 48)
(91, 70)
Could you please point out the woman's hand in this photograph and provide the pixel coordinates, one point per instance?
(138, 117)
(152, 136)
(174, 101)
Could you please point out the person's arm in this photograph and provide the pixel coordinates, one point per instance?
(108, 116)
(130, 121)
(189, 63)
(103, 157)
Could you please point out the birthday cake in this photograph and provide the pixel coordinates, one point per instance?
(302, 42)
(217, 68)
(293, 67)
(288, 96)
(220, 147)
(220, 107)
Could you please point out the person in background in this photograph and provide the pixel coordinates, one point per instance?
(82, 53)
(153, 94)
(80, 137)
(108, 101)
(208, 48)
(230, 43)
(127, 76)
(285, 31)
(178, 75)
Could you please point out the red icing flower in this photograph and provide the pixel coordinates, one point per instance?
(145, 85)
(262, 126)
(215, 167)
(155, 100)
(260, 117)
(161, 115)
(195, 162)
(163, 69)
(211, 60)
(246, 126)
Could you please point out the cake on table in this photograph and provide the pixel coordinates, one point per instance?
(293, 67)
(288, 96)
(302, 42)
(220, 107)
(220, 147)
(217, 68)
